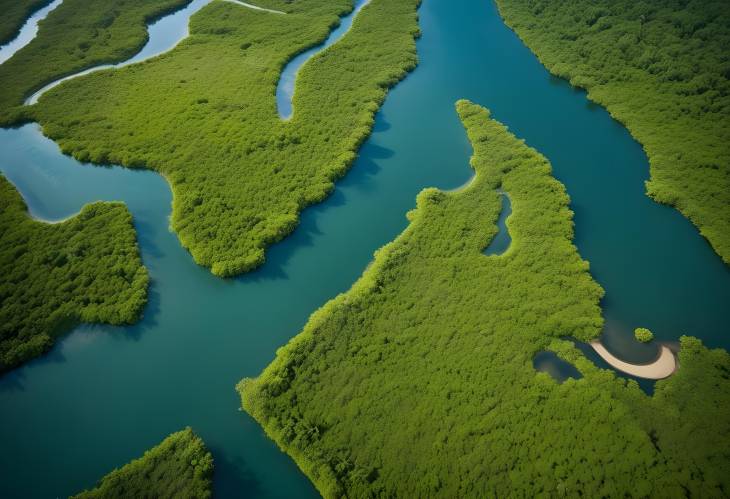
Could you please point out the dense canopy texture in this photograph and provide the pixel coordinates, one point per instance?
(418, 382)
(85, 269)
(662, 68)
(180, 467)
(205, 116)
(78, 34)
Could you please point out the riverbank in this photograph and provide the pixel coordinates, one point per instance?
(281, 167)
(658, 77)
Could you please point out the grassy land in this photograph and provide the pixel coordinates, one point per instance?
(180, 466)
(85, 269)
(14, 14)
(204, 115)
(418, 382)
(78, 34)
(662, 69)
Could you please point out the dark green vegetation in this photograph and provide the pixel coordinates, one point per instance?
(643, 335)
(78, 34)
(180, 466)
(661, 67)
(204, 115)
(85, 269)
(14, 14)
(418, 382)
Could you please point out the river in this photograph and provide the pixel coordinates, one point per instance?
(105, 394)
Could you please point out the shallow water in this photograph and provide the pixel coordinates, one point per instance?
(164, 34)
(28, 31)
(285, 86)
(548, 362)
(105, 394)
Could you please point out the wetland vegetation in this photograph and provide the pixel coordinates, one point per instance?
(643, 335)
(240, 175)
(418, 382)
(15, 13)
(180, 466)
(662, 69)
(84, 269)
(78, 34)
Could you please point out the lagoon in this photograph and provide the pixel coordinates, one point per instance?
(105, 394)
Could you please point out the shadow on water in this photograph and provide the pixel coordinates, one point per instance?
(502, 239)
(109, 400)
(233, 475)
(560, 370)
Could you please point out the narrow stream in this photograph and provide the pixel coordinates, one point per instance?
(105, 394)
(164, 34)
(285, 87)
(27, 32)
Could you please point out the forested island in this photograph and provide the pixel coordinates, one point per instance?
(180, 466)
(662, 69)
(84, 269)
(240, 175)
(418, 382)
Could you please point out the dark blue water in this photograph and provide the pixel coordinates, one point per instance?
(559, 369)
(501, 241)
(106, 394)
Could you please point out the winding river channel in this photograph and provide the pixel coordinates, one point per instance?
(105, 394)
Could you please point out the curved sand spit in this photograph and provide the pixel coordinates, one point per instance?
(663, 367)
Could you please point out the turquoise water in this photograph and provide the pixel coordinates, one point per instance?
(106, 394)
(285, 86)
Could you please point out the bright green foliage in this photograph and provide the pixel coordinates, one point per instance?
(76, 35)
(643, 335)
(661, 67)
(418, 382)
(85, 269)
(13, 14)
(204, 115)
(180, 467)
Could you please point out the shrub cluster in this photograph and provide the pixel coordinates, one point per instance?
(205, 116)
(643, 335)
(660, 67)
(178, 467)
(52, 276)
(418, 382)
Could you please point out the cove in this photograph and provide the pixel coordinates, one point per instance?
(285, 86)
(559, 369)
(28, 31)
(105, 394)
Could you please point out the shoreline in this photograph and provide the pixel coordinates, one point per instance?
(662, 367)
